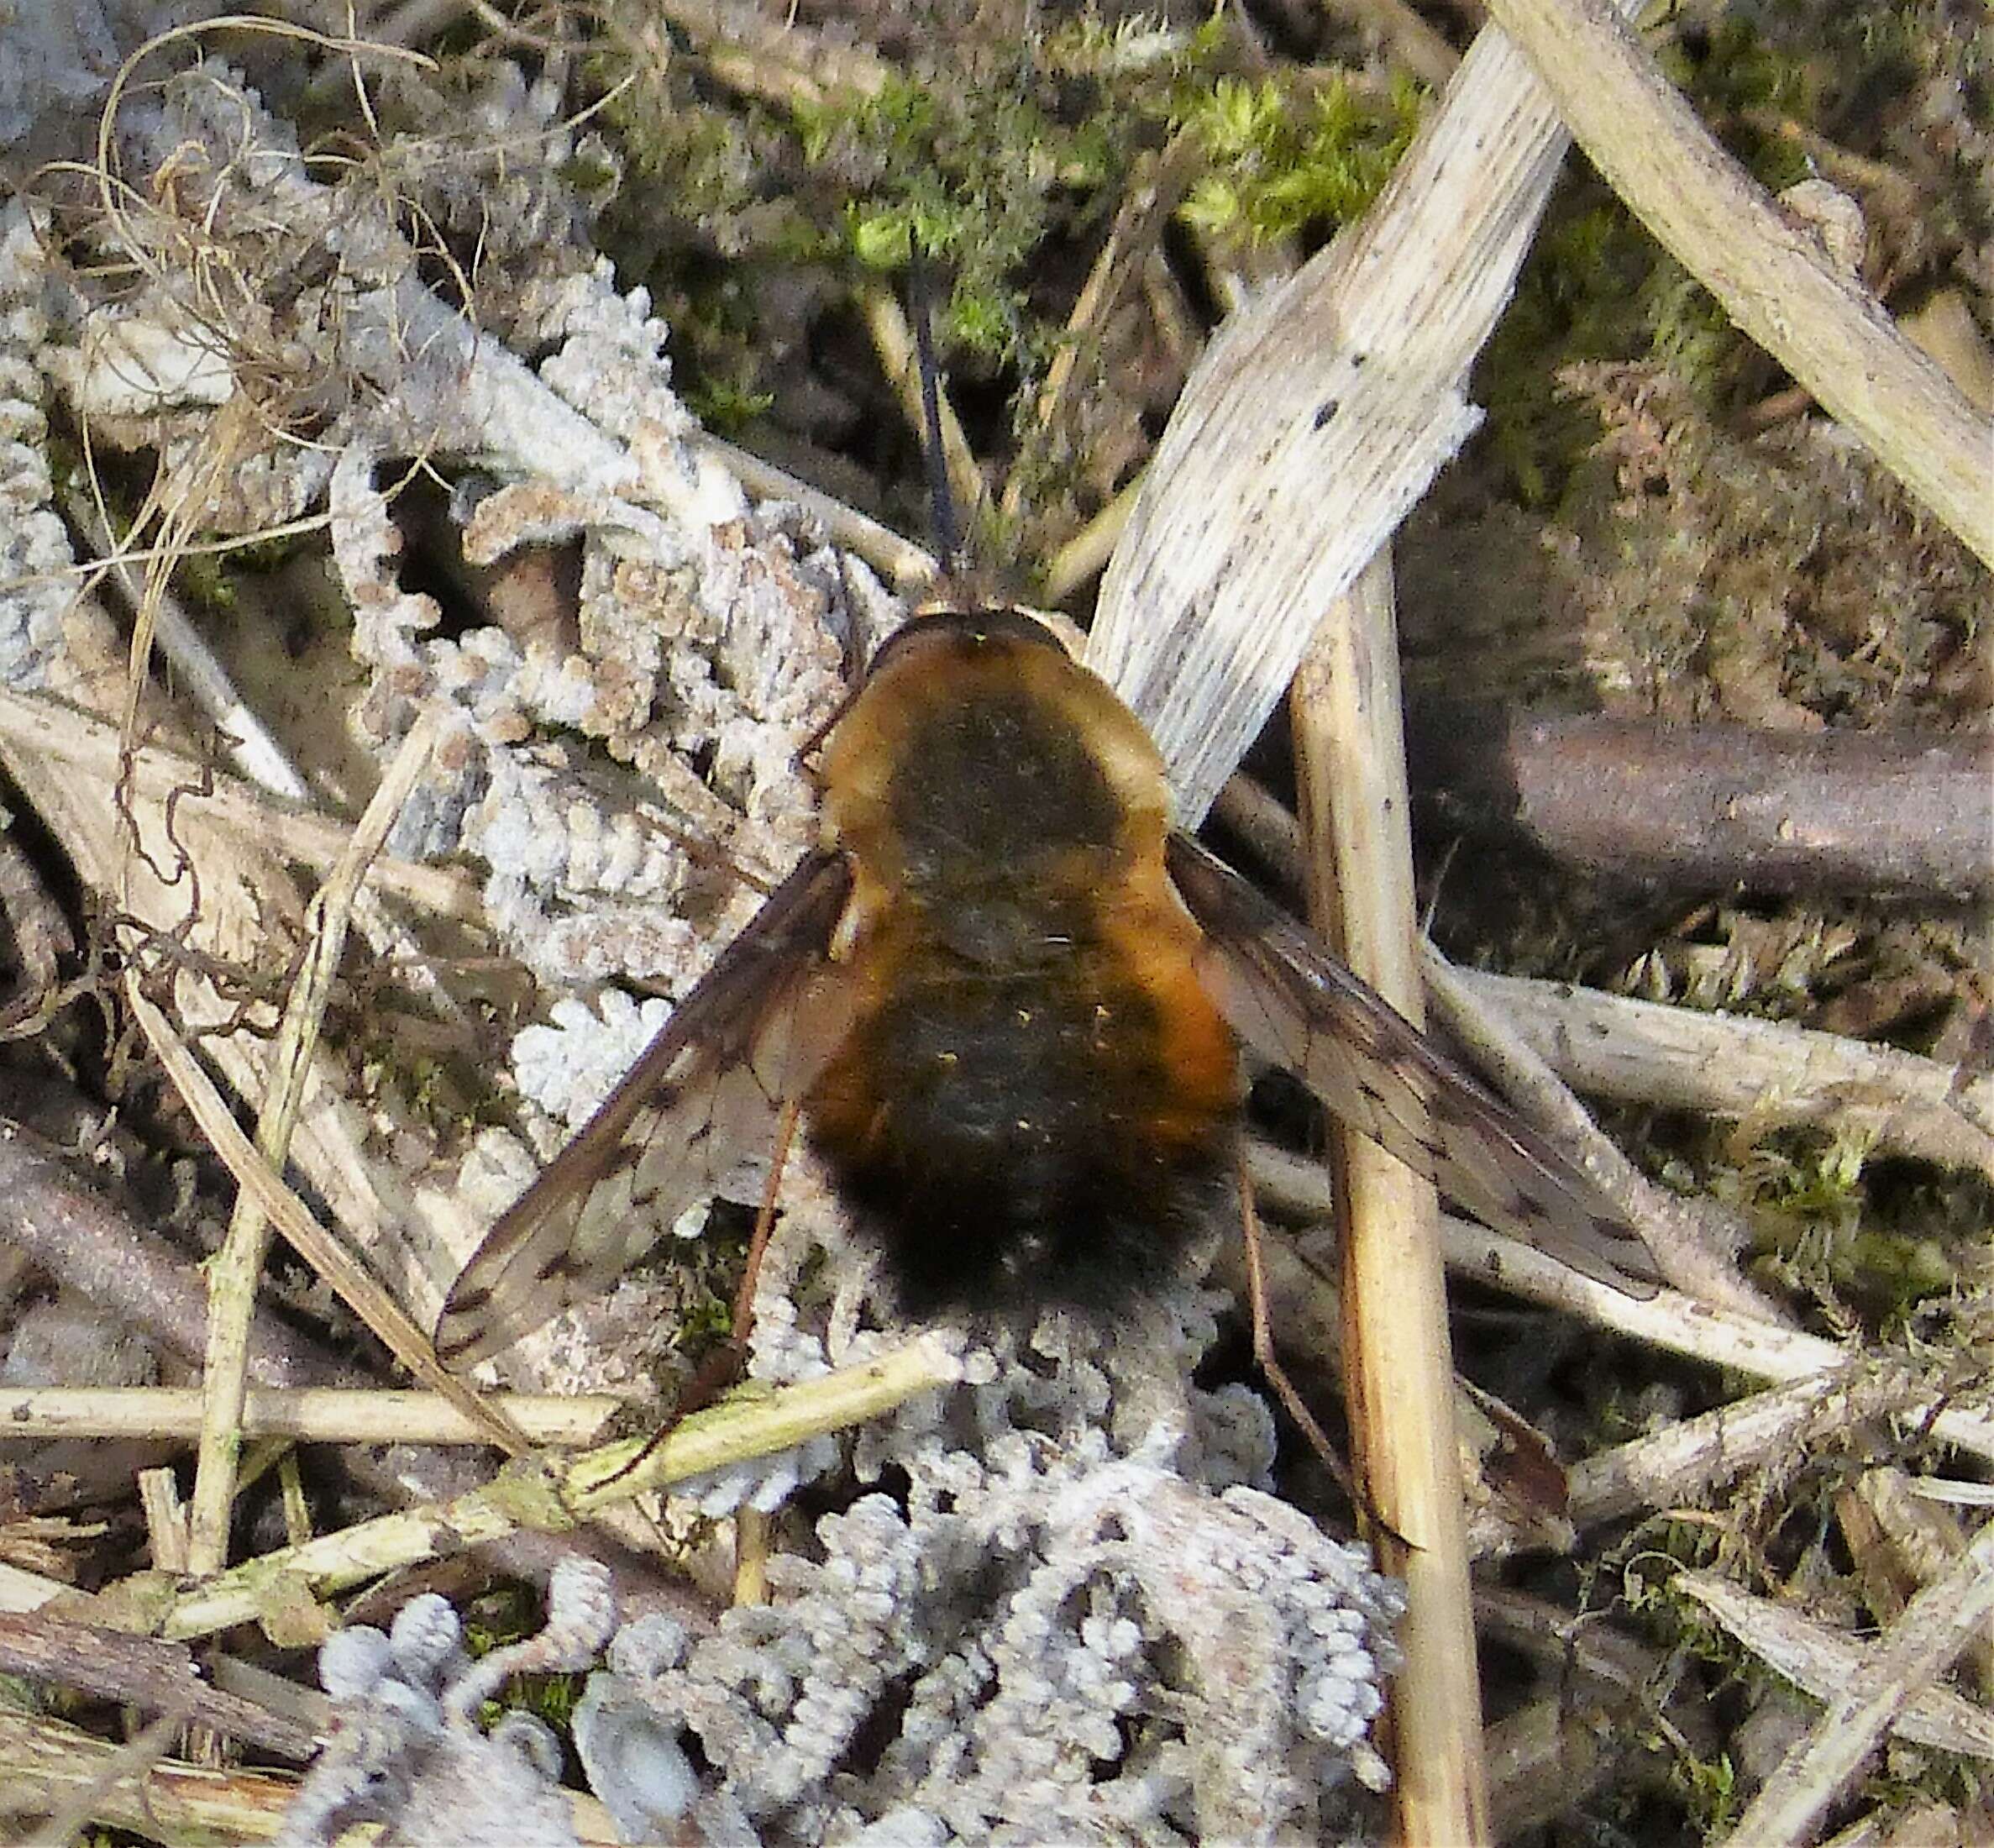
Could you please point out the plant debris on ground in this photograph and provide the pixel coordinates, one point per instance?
(497, 423)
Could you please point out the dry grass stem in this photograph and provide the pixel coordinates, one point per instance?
(291, 1217)
(165, 1519)
(198, 670)
(1692, 1239)
(1871, 1688)
(1767, 268)
(737, 1431)
(46, 1766)
(312, 1414)
(1901, 1539)
(232, 1274)
(1145, 204)
(1767, 1072)
(1086, 555)
(1398, 1364)
(245, 892)
(21, 1589)
(785, 63)
(82, 746)
(1684, 1326)
(1678, 1323)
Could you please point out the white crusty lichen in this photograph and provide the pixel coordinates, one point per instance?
(36, 584)
(1062, 1606)
(1056, 1603)
(1048, 1642)
(407, 1752)
(624, 770)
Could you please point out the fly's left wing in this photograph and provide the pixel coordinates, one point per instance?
(1296, 1005)
(751, 1037)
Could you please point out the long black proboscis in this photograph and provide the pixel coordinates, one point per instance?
(948, 538)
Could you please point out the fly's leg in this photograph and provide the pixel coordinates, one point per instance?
(721, 1368)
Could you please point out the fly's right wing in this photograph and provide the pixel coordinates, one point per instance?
(751, 1037)
(1295, 1004)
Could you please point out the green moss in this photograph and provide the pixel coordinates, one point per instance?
(1709, 1788)
(726, 405)
(203, 581)
(206, 579)
(506, 1613)
(1596, 286)
(1734, 67)
(1280, 166)
(550, 1698)
(999, 157)
(976, 170)
(706, 1317)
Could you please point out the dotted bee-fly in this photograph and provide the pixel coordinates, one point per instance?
(1008, 1000)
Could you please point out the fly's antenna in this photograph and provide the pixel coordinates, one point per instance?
(942, 506)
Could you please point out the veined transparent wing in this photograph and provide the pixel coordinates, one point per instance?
(750, 1038)
(1297, 1005)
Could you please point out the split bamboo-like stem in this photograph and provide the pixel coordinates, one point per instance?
(1398, 1367)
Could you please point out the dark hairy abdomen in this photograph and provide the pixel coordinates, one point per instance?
(1020, 1137)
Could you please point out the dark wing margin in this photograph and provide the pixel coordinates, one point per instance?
(1297, 1005)
(751, 1037)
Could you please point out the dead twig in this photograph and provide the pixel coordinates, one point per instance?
(47, 1765)
(1871, 1688)
(1685, 1326)
(1691, 1459)
(1694, 1240)
(74, 1235)
(1702, 807)
(1765, 1071)
(140, 1672)
(41, 936)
